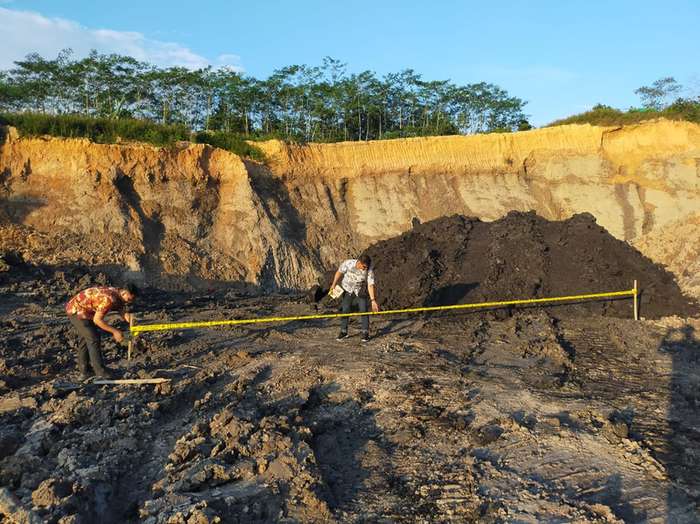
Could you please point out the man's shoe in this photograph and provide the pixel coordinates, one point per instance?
(105, 374)
(365, 337)
(342, 335)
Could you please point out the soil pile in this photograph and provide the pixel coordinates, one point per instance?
(458, 260)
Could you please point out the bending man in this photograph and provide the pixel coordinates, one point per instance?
(357, 280)
(86, 311)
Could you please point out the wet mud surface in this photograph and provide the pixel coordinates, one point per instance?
(530, 417)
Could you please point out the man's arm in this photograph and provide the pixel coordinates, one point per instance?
(373, 297)
(339, 274)
(372, 289)
(98, 320)
(336, 278)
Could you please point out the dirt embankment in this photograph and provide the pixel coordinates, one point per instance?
(154, 213)
(197, 212)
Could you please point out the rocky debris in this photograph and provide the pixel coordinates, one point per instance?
(12, 509)
(260, 470)
(48, 284)
(458, 260)
(249, 460)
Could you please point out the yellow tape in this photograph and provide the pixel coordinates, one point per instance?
(193, 325)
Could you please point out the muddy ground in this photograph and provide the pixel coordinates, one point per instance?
(532, 417)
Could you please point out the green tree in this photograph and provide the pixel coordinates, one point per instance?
(298, 102)
(659, 94)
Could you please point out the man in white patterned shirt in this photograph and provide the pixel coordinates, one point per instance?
(357, 282)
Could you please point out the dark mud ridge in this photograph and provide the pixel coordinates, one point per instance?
(458, 259)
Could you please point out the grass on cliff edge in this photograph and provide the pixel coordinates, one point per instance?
(602, 115)
(111, 131)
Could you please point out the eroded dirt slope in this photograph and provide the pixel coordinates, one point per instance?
(196, 212)
(150, 213)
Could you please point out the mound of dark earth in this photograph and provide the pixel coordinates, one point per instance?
(459, 259)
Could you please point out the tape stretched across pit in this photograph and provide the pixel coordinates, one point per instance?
(143, 328)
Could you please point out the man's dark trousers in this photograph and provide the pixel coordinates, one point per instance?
(88, 344)
(350, 299)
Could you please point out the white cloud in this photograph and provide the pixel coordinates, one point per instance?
(27, 32)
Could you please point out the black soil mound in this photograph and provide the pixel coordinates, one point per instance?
(457, 259)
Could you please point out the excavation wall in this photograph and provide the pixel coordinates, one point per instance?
(200, 215)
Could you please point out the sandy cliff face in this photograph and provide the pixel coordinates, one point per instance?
(676, 246)
(202, 212)
(632, 179)
(158, 213)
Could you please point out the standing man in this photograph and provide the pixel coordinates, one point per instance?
(86, 311)
(357, 279)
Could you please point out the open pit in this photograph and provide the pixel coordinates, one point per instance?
(575, 413)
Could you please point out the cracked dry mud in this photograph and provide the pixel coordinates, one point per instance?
(444, 419)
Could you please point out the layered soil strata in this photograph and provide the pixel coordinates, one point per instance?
(195, 216)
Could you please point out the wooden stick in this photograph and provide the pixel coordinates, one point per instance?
(132, 381)
(636, 305)
(130, 348)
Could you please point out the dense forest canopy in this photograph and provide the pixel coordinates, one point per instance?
(299, 102)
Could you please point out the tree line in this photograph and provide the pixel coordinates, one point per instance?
(299, 102)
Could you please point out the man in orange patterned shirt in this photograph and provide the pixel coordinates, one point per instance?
(86, 310)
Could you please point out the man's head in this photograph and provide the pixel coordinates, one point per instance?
(364, 262)
(129, 293)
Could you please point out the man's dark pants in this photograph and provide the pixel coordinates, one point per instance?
(88, 345)
(350, 299)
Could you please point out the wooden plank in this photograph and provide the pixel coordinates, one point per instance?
(15, 402)
(132, 381)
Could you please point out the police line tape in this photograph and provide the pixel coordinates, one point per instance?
(143, 328)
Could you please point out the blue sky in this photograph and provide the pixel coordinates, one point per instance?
(561, 56)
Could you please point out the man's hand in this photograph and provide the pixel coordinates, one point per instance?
(128, 317)
(98, 320)
(375, 306)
